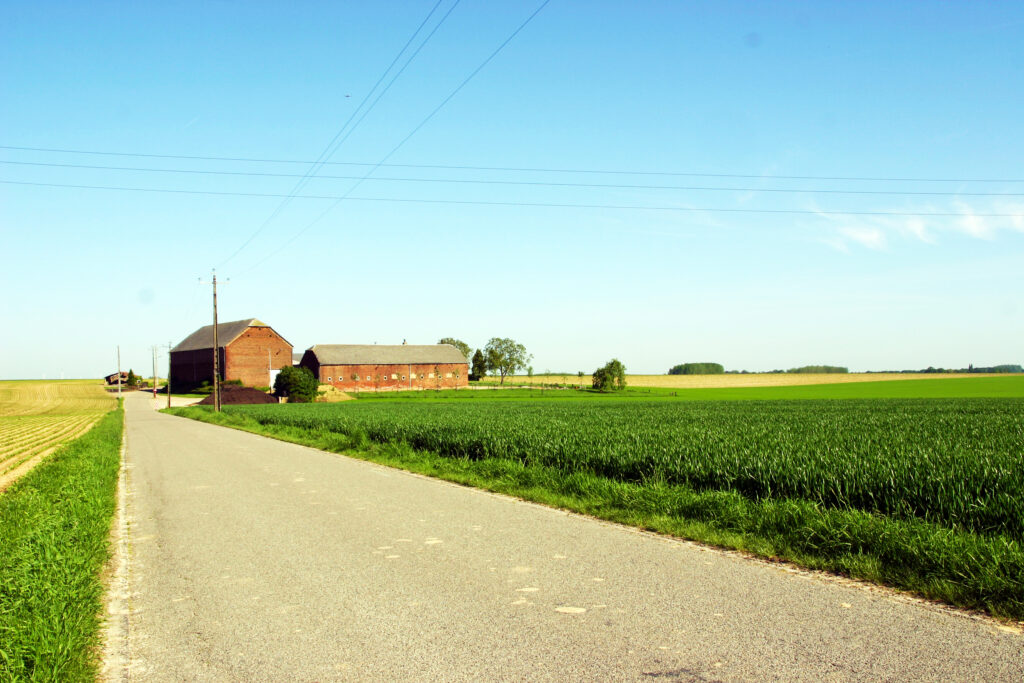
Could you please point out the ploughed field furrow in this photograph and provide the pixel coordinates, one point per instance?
(14, 439)
(32, 429)
(958, 463)
(40, 438)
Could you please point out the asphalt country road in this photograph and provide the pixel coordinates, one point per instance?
(249, 559)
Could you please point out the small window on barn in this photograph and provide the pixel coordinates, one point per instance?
(431, 375)
(329, 379)
(394, 376)
(447, 375)
(403, 378)
(367, 378)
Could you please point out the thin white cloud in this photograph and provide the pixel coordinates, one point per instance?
(844, 231)
(865, 236)
(971, 223)
(917, 227)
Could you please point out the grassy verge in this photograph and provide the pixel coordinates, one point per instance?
(957, 566)
(54, 526)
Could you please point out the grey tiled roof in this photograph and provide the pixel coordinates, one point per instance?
(226, 333)
(384, 354)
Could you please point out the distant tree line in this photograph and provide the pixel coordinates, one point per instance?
(697, 369)
(819, 370)
(994, 369)
(717, 369)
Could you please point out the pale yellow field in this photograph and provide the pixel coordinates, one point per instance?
(725, 381)
(36, 417)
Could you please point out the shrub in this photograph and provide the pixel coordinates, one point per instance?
(297, 383)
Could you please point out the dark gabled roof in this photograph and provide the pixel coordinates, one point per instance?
(382, 354)
(226, 333)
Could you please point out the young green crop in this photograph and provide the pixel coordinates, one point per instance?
(956, 463)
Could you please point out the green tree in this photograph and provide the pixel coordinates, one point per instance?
(479, 368)
(506, 356)
(462, 346)
(612, 377)
(297, 383)
(132, 379)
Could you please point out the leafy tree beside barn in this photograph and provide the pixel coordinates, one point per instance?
(505, 356)
(479, 366)
(462, 346)
(297, 383)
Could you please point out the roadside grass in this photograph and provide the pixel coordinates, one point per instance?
(952, 565)
(54, 526)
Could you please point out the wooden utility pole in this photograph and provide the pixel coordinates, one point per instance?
(168, 374)
(119, 371)
(216, 346)
(154, 373)
(216, 350)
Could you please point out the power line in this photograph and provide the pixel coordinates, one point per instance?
(527, 183)
(335, 143)
(636, 207)
(521, 169)
(407, 137)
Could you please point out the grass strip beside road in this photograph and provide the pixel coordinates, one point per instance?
(952, 565)
(54, 528)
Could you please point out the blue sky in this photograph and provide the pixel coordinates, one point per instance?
(858, 105)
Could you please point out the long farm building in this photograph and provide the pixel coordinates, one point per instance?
(357, 367)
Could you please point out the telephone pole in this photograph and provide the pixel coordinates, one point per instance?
(216, 350)
(169, 345)
(119, 372)
(216, 347)
(154, 373)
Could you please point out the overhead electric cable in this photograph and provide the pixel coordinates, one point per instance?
(400, 71)
(411, 133)
(406, 200)
(522, 169)
(527, 183)
(331, 147)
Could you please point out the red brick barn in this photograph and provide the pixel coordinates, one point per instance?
(355, 367)
(250, 351)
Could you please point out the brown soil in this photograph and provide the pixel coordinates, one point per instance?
(231, 394)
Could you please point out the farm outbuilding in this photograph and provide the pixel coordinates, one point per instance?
(249, 351)
(353, 367)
